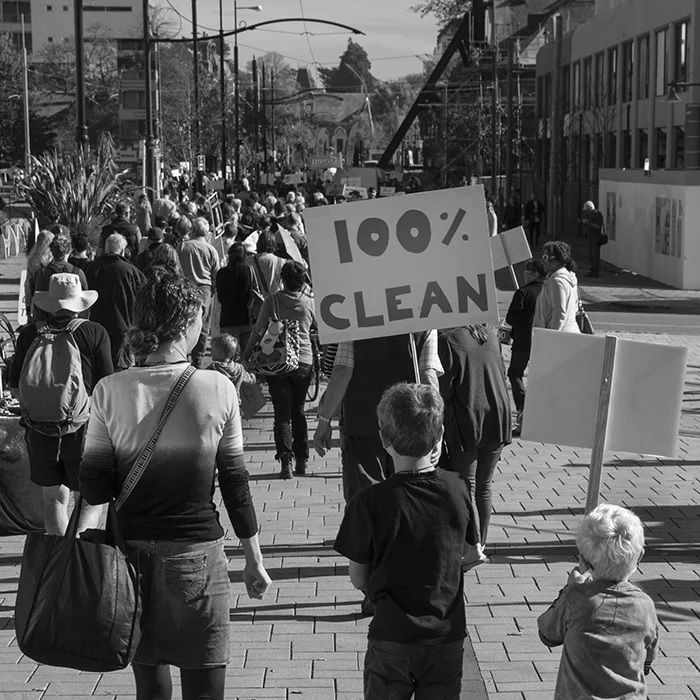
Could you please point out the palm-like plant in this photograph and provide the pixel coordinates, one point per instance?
(81, 188)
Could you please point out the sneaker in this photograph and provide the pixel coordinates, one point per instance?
(286, 471)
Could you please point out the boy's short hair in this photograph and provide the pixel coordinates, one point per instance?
(80, 242)
(611, 539)
(410, 418)
(226, 343)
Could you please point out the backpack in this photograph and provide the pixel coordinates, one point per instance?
(277, 352)
(52, 393)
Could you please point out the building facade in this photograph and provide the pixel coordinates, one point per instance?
(615, 75)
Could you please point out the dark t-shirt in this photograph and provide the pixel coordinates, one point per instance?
(92, 341)
(411, 530)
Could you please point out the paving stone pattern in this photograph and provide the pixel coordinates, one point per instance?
(305, 640)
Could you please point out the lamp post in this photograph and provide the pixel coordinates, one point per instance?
(236, 107)
(81, 132)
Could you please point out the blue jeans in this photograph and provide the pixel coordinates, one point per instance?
(395, 671)
(288, 394)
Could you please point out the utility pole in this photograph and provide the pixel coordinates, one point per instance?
(195, 105)
(494, 107)
(150, 172)
(263, 101)
(222, 94)
(510, 123)
(81, 132)
(256, 109)
(272, 119)
(445, 179)
(27, 142)
(554, 190)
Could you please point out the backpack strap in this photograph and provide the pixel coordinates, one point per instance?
(139, 467)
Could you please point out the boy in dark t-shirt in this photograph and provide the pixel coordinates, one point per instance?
(404, 538)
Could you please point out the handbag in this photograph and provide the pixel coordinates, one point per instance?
(252, 399)
(603, 239)
(78, 599)
(277, 351)
(582, 320)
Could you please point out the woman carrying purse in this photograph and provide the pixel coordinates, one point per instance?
(169, 521)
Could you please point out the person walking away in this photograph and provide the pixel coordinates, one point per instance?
(58, 361)
(512, 215)
(233, 284)
(116, 280)
(166, 256)
(362, 371)
(288, 390)
(200, 263)
(170, 521)
(404, 539)
(79, 251)
(164, 208)
(266, 270)
(477, 411)
(60, 248)
(593, 229)
(534, 216)
(155, 238)
(520, 316)
(557, 304)
(607, 626)
(122, 224)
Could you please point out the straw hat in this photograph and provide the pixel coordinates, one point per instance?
(65, 292)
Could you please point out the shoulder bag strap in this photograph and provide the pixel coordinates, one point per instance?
(145, 457)
(261, 274)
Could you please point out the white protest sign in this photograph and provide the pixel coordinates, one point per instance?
(509, 248)
(564, 387)
(387, 191)
(290, 245)
(323, 162)
(294, 179)
(401, 264)
(22, 319)
(362, 191)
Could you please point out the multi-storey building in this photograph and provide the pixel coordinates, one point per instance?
(619, 126)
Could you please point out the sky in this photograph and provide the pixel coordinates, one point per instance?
(395, 36)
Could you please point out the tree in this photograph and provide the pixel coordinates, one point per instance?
(352, 74)
(443, 10)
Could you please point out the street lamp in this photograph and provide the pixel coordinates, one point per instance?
(236, 108)
(672, 94)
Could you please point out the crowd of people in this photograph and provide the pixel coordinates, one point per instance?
(423, 421)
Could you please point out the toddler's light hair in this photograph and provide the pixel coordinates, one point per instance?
(226, 345)
(611, 539)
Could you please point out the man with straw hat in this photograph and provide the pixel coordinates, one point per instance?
(59, 359)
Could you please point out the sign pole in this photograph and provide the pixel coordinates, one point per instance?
(510, 266)
(414, 357)
(601, 425)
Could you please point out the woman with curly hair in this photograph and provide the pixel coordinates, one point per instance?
(557, 304)
(170, 522)
(166, 256)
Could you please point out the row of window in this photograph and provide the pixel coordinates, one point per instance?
(602, 79)
(582, 154)
(95, 8)
(13, 11)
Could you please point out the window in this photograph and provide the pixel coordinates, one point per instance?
(660, 147)
(599, 79)
(106, 8)
(577, 86)
(587, 83)
(643, 146)
(49, 8)
(49, 39)
(612, 76)
(680, 147)
(540, 97)
(12, 11)
(627, 70)
(133, 99)
(643, 68)
(587, 156)
(681, 63)
(547, 94)
(611, 151)
(661, 62)
(65, 8)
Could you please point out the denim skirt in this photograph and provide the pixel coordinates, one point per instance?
(185, 603)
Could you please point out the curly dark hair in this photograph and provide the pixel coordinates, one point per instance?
(165, 307)
(561, 252)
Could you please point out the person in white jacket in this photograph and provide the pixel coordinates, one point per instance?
(557, 304)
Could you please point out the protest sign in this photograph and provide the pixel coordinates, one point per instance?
(401, 264)
(294, 178)
(22, 319)
(362, 191)
(509, 248)
(290, 245)
(603, 392)
(352, 182)
(385, 191)
(323, 162)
